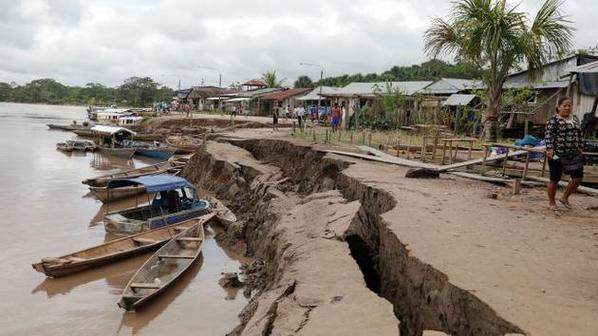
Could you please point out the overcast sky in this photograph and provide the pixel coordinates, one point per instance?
(106, 41)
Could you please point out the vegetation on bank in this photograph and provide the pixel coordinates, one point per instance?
(135, 91)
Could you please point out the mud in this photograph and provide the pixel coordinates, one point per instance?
(327, 254)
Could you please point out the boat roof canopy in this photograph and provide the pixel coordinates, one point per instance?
(110, 130)
(153, 183)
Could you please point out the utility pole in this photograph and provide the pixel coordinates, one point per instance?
(321, 77)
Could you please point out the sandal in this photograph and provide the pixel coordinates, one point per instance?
(553, 207)
(565, 204)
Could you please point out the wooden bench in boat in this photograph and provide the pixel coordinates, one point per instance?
(189, 239)
(147, 285)
(171, 256)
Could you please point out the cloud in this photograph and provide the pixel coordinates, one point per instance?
(78, 41)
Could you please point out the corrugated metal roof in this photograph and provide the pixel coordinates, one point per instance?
(540, 85)
(285, 94)
(459, 99)
(255, 82)
(378, 88)
(315, 93)
(102, 129)
(586, 68)
(255, 93)
(452, 85)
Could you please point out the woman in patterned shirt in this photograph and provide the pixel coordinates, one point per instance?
(564, 144)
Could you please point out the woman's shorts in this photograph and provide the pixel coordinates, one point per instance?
(556, 171)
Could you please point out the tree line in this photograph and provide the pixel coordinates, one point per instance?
(430, 71)
(135, 91)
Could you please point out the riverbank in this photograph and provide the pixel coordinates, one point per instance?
(337, 235)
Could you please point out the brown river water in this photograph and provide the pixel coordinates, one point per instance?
(45, 211)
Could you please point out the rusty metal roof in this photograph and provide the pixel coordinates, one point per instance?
(285, 94)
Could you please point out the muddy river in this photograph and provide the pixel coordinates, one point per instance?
(45, 211)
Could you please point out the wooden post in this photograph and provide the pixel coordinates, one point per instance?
(526, 125)
(326, 137)
(455, 155)
(314, 135)
(435, 143)
(423, 155)
(409, 149)
(363, 137)
(504, 164)
(450, 151)
(351, 137)
(399, 148)
(443, 150)
(526, 166)
(470, 150)
(516, 186)
(485, 149)
(370, 139)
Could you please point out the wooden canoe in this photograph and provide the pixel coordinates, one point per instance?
(184, 144)
(108, 195)
(155, 169)
(223, 214)
(120, 152)
(114, 250)
(163, 268)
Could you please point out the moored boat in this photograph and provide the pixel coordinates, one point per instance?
(65, 147)
(152, 151)
(126, 153)
(105, 194)
(155, 169)
(114, 250)
(223, 214)
(82, 145)
(171, 199)
(163, 268)
(184, 144)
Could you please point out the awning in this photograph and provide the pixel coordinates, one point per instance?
(110, 130)
(586, 68)
(218, 98)
(153, 183)
(459, 100)
(236, 100)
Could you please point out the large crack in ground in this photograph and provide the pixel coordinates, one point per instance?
(267, 182)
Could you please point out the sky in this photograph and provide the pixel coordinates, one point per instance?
(106, 41)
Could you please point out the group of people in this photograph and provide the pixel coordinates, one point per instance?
(301, 113)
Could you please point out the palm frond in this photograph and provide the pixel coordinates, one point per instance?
(440, 38)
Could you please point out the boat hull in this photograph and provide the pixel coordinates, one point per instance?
(114, 250)
(158, 168)
(120, 225)
(119, 152)
(156, 153)
(163, 268)
(107, 195)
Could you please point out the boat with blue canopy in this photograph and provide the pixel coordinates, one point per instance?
(171, 200)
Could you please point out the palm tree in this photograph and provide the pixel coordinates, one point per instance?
(271, 79)
(497, 39)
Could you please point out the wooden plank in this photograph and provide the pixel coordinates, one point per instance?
(580, 189)
(478, 161)
(189, 239)
(171, 256)
(399, 161)
(146, 285)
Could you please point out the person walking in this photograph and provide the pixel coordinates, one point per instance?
(300, 116)
(275, 117)
(335, 113)
(564, 145)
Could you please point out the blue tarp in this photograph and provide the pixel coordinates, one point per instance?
(153, 183)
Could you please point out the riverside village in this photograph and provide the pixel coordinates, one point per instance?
(375, 168)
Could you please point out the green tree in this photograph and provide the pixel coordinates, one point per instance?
(138, 91)
(303, 82)
(496, 38)
(271, 79)
(5, 91)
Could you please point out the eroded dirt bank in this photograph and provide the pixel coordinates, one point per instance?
(331, 241)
